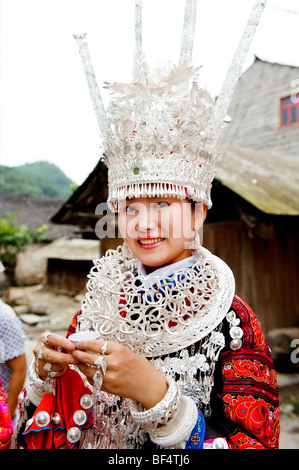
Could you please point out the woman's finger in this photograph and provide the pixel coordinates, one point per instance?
(54, 339)
(94, 345)
(85, 357)
(57, 357)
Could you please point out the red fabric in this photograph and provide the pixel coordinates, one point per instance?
(69, 390)
(250, 390)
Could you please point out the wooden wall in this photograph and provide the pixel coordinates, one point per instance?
(68, 276)
(265, 264)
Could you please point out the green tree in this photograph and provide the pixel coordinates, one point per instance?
(14, 239)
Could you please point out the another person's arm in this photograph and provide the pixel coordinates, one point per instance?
(18, 366)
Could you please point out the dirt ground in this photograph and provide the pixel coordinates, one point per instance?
(42, 310)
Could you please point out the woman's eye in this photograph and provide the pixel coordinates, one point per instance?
(162, 204)
(130, 209)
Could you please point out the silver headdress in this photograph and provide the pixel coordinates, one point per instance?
(160, 131)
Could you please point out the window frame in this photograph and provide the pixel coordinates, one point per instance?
(288, 109)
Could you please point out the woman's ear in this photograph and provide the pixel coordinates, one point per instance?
(200, 215)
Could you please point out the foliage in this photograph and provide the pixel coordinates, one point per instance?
(14, 239)
(37, 179)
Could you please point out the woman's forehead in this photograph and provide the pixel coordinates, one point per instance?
(149, 200)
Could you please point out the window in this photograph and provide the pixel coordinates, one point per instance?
(289, 111)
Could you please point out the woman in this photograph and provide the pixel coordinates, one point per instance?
(180, 361)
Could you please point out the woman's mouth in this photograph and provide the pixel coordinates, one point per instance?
(147, 243)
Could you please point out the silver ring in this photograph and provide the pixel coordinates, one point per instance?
(104, 348)
(100, 363)
(47, 367)
(53, 373)
(39, 353)
(45, 337)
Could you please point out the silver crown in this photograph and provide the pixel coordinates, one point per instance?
(160, 138)
(160, 131)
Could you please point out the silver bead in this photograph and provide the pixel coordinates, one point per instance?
(79, 417)
(42, 419)
(231, 316)
(220, 443)
(56, 418)
(73, 435)
(235, 344)
(86, 401)
(236, 332)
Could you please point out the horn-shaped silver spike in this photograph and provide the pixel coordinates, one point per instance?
(94, 91)
(235, 68)
(138, 35)
(188, 31)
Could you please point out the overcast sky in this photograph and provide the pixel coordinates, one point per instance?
(46, 112)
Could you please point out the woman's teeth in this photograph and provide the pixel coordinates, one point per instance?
(151, 241)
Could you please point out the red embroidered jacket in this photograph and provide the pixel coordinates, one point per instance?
(245, 397)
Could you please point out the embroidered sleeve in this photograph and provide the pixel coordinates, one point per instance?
(249, 387)
(73, 324)
(6, 425)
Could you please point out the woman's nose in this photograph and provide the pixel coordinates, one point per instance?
(146, 219)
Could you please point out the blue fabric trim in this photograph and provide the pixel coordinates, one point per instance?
(197, 436)
(35, 430)
(59, 427)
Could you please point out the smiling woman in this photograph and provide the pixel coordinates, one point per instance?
(159, 230)
(181, 362)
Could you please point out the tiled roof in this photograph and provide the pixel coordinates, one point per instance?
(268, 181)
(35, 211)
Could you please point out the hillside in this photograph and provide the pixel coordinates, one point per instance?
(37, 179)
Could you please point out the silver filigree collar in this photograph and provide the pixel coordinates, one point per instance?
(178, 310)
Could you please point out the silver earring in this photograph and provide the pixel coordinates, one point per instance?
(195, 242)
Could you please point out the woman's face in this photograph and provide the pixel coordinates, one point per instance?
(158, 230)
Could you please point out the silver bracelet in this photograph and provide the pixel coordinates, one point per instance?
(162, 412)
(34, 394)
(178, 430)
(45, 386)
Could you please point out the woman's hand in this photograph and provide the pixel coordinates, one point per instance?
(59, 359)
(127, 374)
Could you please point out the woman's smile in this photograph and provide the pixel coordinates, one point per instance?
(149, 243)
